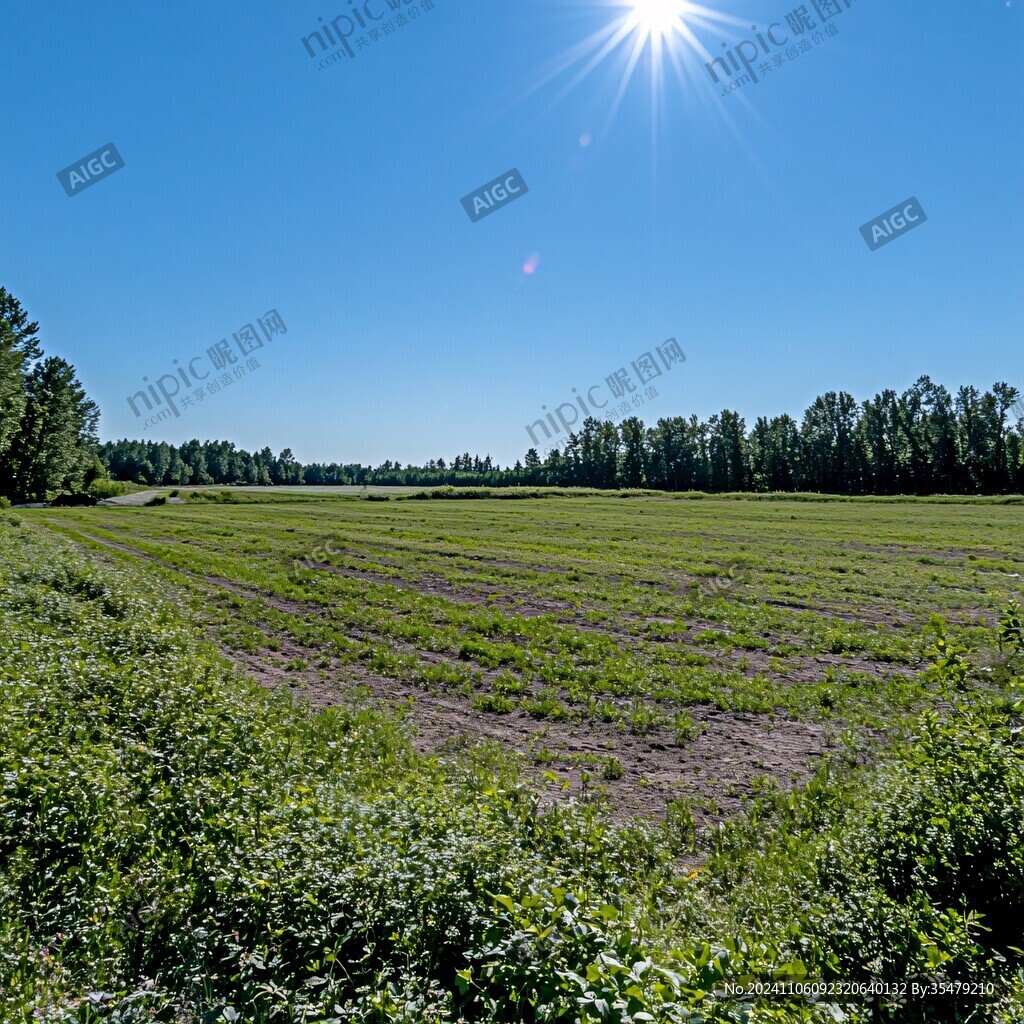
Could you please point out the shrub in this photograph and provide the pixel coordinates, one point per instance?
(102, 488)
(642, 718)
(684, 728)
(182, 825)
(221, 497)
(496, 703)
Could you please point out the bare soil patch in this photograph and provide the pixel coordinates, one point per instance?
(716, 770)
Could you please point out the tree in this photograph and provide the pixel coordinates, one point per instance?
(921, 441)
(727, 451)
(633, 456)
(1005, 396)
(177, 471)
(774, 454)
(19, 347)
(827, 435)
(193, 457)
(879, 443)
(160, 459)
(12, 390)
(54, 448)
(24, 332)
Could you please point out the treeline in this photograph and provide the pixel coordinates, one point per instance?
(47, 424)
(195, 462)
(220, 462)
(925, 441)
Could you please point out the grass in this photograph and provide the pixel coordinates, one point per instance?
(591, 603)
(179, 844)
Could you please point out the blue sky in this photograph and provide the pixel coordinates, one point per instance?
(254, 179)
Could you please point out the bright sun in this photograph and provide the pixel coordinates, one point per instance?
(656, 17)
(657, 36)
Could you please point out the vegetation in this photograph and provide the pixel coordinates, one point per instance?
(925, 441)
(593, 608)
(47, 424)
(178, 844)
(817, 703)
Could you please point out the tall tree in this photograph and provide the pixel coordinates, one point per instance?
(54, 448)
(24, 331)
(12, 392)
(634, 456)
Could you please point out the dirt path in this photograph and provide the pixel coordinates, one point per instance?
(139, 498)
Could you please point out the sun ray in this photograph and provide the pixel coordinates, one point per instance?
(646, 37)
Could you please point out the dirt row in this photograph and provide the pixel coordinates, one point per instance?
(715, 770)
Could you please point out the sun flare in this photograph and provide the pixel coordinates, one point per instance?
(656, 18)
(655, 38)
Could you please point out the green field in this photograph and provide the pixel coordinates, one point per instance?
(681, 637)
(606, 696)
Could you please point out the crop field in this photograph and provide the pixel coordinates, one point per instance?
(652, 646)
(571, 757)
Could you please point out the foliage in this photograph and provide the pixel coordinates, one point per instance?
(105, 488)
(47, 423)
(174, 837)
(597, 621)
(177, 844)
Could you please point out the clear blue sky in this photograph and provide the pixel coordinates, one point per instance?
(255, 180)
